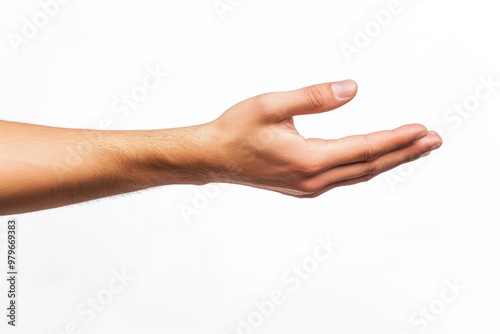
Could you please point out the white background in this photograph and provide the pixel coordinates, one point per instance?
(399, 241)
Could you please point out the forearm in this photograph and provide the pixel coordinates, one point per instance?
(45, 167)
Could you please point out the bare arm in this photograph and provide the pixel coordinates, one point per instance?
(44, 167)
(253, 143)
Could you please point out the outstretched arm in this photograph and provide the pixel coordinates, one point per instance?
(253, 143)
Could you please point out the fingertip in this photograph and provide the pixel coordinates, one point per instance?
(438, 141)
(421, 134)
(345, 89)
(431, 142)
(419, 127)
(435, 134)
(417, 131)
(433, 138)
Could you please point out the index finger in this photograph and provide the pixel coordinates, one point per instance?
(331, 153)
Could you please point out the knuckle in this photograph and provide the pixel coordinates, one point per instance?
(374, 168)
(267, 105)
(414, 157)
(369, 152)
(315, 97)
(399, 142)
(308, 168)
(264, 102)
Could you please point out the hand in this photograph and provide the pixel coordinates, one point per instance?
(255, 143)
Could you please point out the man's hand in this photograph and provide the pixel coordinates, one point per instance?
(256, 144)
(253, 143)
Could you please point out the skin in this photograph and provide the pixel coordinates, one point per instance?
(253, 143)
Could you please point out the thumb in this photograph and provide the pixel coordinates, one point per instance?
(314, 99)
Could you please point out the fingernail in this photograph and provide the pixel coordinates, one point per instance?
(344, 89)
(426, 154)
(435, 146)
